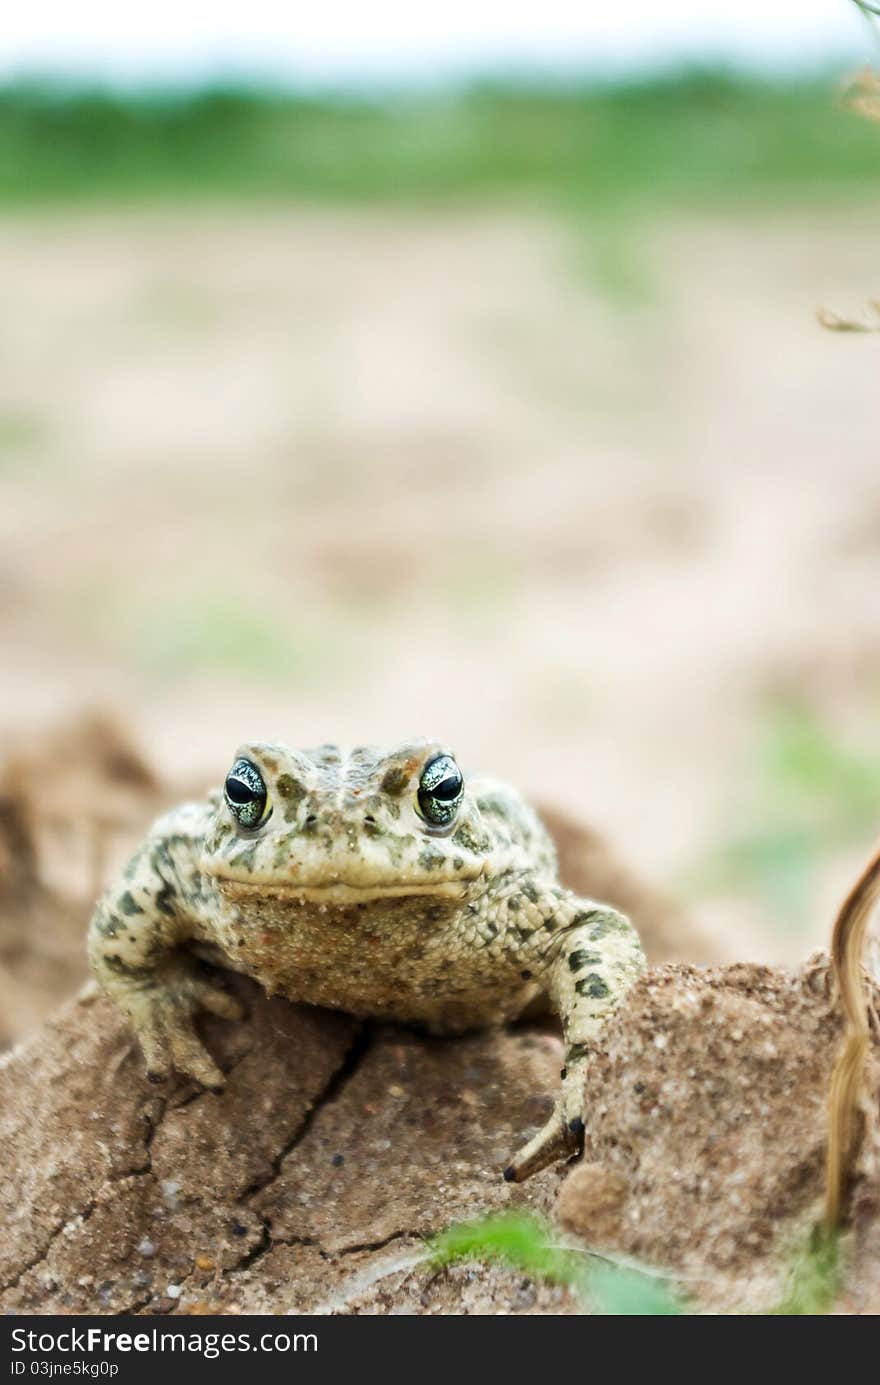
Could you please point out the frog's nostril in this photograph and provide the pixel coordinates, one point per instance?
(311, 820)
(370, 820)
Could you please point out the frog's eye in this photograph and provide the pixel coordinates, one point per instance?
(441, 789)
(246, 795)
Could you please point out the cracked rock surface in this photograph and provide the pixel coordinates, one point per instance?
(311, 1181)
(308, 1183)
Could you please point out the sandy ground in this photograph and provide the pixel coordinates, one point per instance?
(358, 475)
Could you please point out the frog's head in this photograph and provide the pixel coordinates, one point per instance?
(370, 824)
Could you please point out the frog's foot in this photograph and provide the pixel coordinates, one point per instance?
(561, 1138)
(163, 1013)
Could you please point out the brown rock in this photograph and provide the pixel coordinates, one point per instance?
(311, 1181)
(414, 1163)
(72, 800)
(706, 1126)
(591, 1204)
(291, 1189)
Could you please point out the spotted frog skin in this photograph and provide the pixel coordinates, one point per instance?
(379, 882)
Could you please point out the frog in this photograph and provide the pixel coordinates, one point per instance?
(385, 883)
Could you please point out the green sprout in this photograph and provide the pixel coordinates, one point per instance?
(815, 1277)
(523, 1241)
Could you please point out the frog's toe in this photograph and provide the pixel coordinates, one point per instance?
(217, 1002)
(191, 1057)
(560, 1138)
(157, 1053)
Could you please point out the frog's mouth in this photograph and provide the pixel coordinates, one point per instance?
(338, 892)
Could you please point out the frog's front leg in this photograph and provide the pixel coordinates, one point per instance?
(592, 956)
(137, 939)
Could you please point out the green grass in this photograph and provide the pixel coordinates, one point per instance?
(691, 138)
(523, 1242)
(815, 1278)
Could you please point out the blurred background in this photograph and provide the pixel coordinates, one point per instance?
(373, 373)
